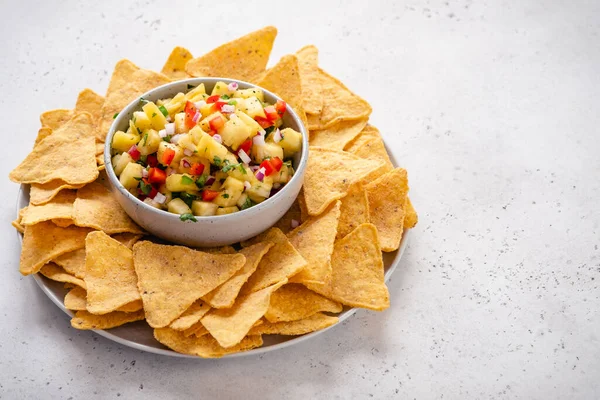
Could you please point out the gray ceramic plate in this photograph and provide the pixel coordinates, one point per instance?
(138, 335)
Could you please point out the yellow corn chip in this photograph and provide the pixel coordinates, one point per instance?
(85, 320)
(174, 68)
(91, 102)
(73, 262)
(224, 296)
(328, 175)
(60, 207)
(171, 278)
(54, 119)
(109, 274)
(354, 210)
(315, 322)
(357, 278)
(244, 58)
(75, 299)
(17, 222)
(411, 218)
(191, 316)
(43, 133)
(100, 149)
(370, 145)
(67, 154)
(337, 135)
(132, 306)
(56, 273)
(45, 241)
(205, 346)
(127, 239)
(197, 330)
(127, 82)
(97, 208)
(62, 222)
(229, 326)
(219, 250)
(387, 207)
(308, 63)
(41, 194)
(339, 104)
(314, 241)
(281, 262)
(294, 301)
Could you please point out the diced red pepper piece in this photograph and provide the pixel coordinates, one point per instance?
(153, 192)
(157, 175)
(280, 106)
(219, 104)
(168, 156)
(246, 146)
(276, 163)
(209, 195)
(268, 167)
(197, 169)
(213, 99)
(263, 122)
(271, 113)
(216, 123)
(190, 111)
(152, 160)
(134, 152)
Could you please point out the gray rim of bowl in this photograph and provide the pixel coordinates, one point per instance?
(131, 107)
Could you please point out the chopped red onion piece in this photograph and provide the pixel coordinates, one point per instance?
(185, 163)
(227, 108)
(254, 168)
(277, 136)
(170, 171)
(262, 132)
(160, 198)
(232, 86)
(210, 180)
(244, 156)
(188, 152)
(295, 224)
(170, 128)
(258, 140)
(260, 175)
(217, 138)
(144, 173)
(176, 138)
(200, 104)
(247, 185)
(162, 133)
(196, 116)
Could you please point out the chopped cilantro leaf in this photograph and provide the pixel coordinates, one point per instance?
(217, 161)
(167, 138)
(225, 195)
(143, 100)
(145, 139)
(145, 188)
(201, 181)
(188, 217)
(187, 198)
(186, 180)
(225, 96)
(247, 204)
(232, 102)
(153, 115)
(116, 115)
(164, 111)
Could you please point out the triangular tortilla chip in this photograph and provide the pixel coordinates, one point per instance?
(205, 346)
(314, 241)
(73, 262)
(109, 274)
(337, 135)
(45, 241)
(61, 206)
(75, 299)
(229, 326)
(191, 316)
(91, 102)
(339, 104)
(293, 301)
(354, 210)
(43, 133)
(281, 262)
(127, 239)
(368, 144)
(313, 323)
(127, 82)
(174, 68)
(54, 119)
(308, 63)
(17, 222)
(67, 154)
(132, 306)
(411, 218)
(357, 278)
(244, 58)
(56, 273)
(97, 208)
(86, 320)
(387, 207)
(41, 194)
(328, 175)
(224, 296)
(197, 330)
(171, 278)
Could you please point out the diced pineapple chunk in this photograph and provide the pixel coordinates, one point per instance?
(291, 142)
(141, 120)
(196, 93)
(178, 153)
(205, 123)
(152, 203)
(259, 191)
(196, 133)
(269, 150)
(179, 121)
(207, 109)
(123, 141)
(227, 210)
(186, 142)
(129, 175)
(212, 150)
(176, 104)
(163, 189)
(253, 107)
(178, 206)
(252, 92)
(235, 132)
(157, 119)
(232, 190)
(149, 142)
(204, 208)
(121, 162)
(283, 176)
(251, 123)
(242, 201)
(221, 88)
(241, 173)
(181, 183)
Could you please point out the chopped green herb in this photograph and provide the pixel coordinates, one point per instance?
(232, 102)
(190, 86)
(186, 180)
(225, 195)
(145, 139)
(187, 198)
(153, 115)
(188, 217)
(115, 116)
(146, 188)
(143, 100)
(229, 167)
(164, 111)
(217, 160)
(167, 138)
(225, 96)
(247, 204)
(139, 130)
(201, 181)
(137, 179)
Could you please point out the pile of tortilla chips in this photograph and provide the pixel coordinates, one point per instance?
(323, 255)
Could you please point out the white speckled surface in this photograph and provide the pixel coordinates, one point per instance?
(493, 108)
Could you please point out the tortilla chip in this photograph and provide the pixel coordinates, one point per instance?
(244, 58)
(75, 299)
(281, 262)
(293, 302)
(56, 273)
(339, 104)
(174, 68)
(60, 207)
(91, 102)
(73, 262)
(85, 320)
(109, 274)
(302, 203)
(308, 64)
(54, 119)
(357, 278)
(370, 146)
(43, 133)
(337, 135)
(171, 278)
(219, 250)
(62, 222)
(224, 296)
(132, 306)
(329, 174)
(127, 239)
(314, 241)
(41, 194)
(387, 207)
(205, 346)
(97, 208)
(45, 241)
(127, 82)
(354, 210)
(17, 222)
(197, 330)
(411, 218)
(229, 326)
(67, 154)
(191, 316)
(313, 323)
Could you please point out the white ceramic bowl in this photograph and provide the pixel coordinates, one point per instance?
(215, 230)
